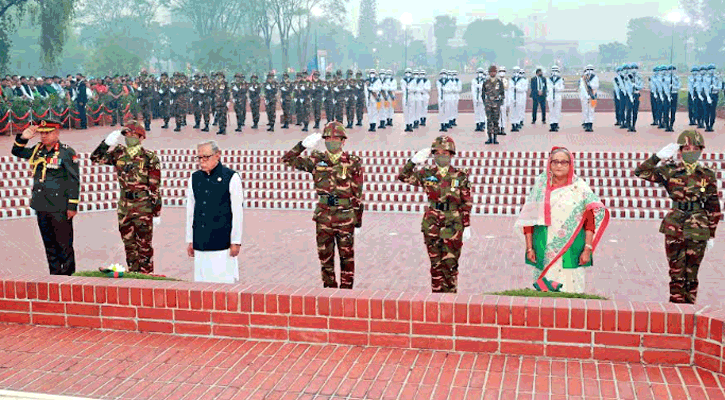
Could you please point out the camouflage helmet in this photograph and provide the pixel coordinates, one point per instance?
(338, 72)
(691, 137)
(135, 127)
(444, 143)
(334, 129)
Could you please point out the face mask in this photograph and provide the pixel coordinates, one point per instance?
(132, 141)
(480, 74)
(407, 74)
(691, 157)
(372, 76)
(442, 160)
(333, 147)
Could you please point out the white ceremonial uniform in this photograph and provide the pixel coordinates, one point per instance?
(521, 86)
(217, 266)
(373, 87)
(457, 97)
(442, 98)
(424, 87)
(479, 109)
(392, 87)
(408, 88)
(553, 97)
(507, 88)
(587, 108)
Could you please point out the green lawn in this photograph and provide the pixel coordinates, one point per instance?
(536, 293)
(126, 275)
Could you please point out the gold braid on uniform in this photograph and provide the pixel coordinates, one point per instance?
(334, 157)
(690, 167)
(443, 170)
(133, 150)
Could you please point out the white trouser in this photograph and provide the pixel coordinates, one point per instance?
(372, 107)
(520, 108)
(456, 101)
(587, 112)
(504, 115)
(555, 109)
(391, 108)
(479, 110)
(423, 107)
(442, 110)
(409, 107)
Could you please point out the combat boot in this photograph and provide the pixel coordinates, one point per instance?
(255, 126)
(285, 125)
(305, 128)
(551, 128)
(408, 128)
(359, 123)
(222, 132)
(147, 126)
(271, 128)
(206, 127)
(317, 124)
(422, 121)
(501, 132)
(556, 126)
(453, 122)
(490, 139)
(443, 128)
(196, 125)
(178, 128)
(214, 123)
(165, 125)
(239, 128)
(390, 122)
(372, 128)
(382, 125)
(349, 125)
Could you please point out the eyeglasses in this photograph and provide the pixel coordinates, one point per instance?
(562, 163)
(204, 157)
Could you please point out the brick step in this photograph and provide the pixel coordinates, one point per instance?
(510, 210)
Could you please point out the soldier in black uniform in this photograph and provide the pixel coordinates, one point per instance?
(255, 90)
(56, 188)
(239, 93)
(270, 100)
(359, 97)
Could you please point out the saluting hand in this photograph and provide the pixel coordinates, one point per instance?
(30, 132)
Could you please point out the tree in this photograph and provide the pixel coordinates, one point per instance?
(112, 57)
(303, 22)
(614, 52)
(210, 16)
(710, 36)
(418, 53)
(501, 44)
(264, 24)
(223, 51)
(444, 28)
(54, 19)
(368, 22)
(651, 39)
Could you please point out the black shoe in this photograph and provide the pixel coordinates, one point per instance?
(631, 130)
(222, 132)
(113, 124)
(317, 125)
(408, 128)
(285, 126)
(382, 125)
(359, 123)
(196, 126)
(422, 121)
(349, 125)
(390, 122)
(239, 128)
(372, 128)
(501, 133)
(177, 129)
(654, 123)
(215, 123)
(556, 127)
(543, 122)
(255, 126)
(490, 140)
(271, 128)
(494, 140)
(617, 123)
(443, 128)
(533, 122)
(148, 128)
(700, 126)
(415, 124)
(453, 123)
(165, 126)
(551, 128)
(305, 128)
(206, 128)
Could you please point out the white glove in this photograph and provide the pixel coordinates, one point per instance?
(312, 140)
(157, 221)
(466, 234)
(421, 156)
(710, 244)
(112, 138)
(358, 231)
(668, 151)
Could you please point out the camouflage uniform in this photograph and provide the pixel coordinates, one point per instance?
(350, 99)
(693, 218)
(145, 97)
(305, 90)
(196, 99)
(270, 100)
(205, 93)
(116, 89)
(255, 90)
(221, 97)
(359, 98)
(178, 102)
(164, 96)
(239, 93)
(316, 87)
(297, 93)
(339, 184)
(340, 96)
(493, 94)
(285, 90)
(328, 98)
(139, 176)
(446, 216)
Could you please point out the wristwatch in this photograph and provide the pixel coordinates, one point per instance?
(588, 246)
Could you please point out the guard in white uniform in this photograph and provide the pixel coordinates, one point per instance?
(408, 89)
(392, 88)
(441, 85)
(424, 87)
(372, 98)
(457, 89)
(503, 119)
(588, 86)
(555, 83)
(479, 110)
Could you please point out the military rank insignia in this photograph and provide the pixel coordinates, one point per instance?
(703, 184)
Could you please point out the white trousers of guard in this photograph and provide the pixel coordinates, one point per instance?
(409, 110)
(587, 112)
(423, 107)
(520, 106)
(479, 111)
(372, 107)
(503, 119)
(442, 106)
(554, 110)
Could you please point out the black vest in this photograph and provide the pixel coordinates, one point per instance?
(212, 225)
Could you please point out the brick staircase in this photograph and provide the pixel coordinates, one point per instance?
(500, 181)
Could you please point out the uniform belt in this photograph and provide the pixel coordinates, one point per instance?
(334, 201)
(443, 206)
(687, 205)
(135, 195)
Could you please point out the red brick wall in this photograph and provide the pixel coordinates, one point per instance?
(652, 333)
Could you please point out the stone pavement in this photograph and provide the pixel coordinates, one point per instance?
(15, 395)
(117, 365)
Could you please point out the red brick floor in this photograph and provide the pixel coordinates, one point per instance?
(115, 365)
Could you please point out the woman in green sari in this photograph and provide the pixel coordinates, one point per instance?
(562, 222)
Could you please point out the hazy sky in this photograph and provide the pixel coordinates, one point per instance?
(587, 20)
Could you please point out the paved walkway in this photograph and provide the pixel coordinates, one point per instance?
(114, 365)
(279, 247)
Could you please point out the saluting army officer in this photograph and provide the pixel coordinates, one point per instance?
(448, 214)
(690, 226)
(338, 178)
(56, 188)
(139, 204)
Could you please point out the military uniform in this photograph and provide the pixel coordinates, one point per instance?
(205, 93)
(493, 97)
(350, 99)
(221, 97)
(116, 92)
(286, 91)
(304, 90)
(239, 93)
(178, 102)
(693, 219)
(164, 96)
(338, 181)
(270, 100)
(255, 91)
(446, 216)
(56, 189)
(317, 89)
(359, 90)
(340, 96)
(145, 97)
(297, 94)
(196, 99)
(139, 176)
(328, 98)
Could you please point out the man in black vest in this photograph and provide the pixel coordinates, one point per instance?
(56, 188)
(538, 95)
(214, 217)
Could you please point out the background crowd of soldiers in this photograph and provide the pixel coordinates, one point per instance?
(303, 100)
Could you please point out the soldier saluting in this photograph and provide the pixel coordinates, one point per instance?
(695, 210)
(338, 178)
(139, 204)
(56, 189)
